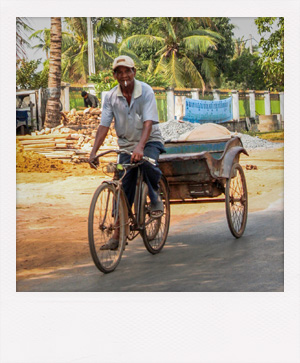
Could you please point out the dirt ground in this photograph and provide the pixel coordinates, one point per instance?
(53, 204)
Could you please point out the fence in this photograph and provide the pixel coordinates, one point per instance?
(171, 102)
(251, 104)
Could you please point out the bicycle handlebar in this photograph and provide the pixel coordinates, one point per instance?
(118, 151)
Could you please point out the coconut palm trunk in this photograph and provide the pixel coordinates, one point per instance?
(54, 80)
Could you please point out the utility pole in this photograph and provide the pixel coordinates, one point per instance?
(251, 49)
(91, 56)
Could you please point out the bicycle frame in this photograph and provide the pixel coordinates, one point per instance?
(134, 219)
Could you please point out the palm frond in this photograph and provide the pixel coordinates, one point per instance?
(151, 66)
(200, 43)
(175, 72)
(194, 75)
(140, 41)
(170, 29)
(209, 69)
(208, 32)
(161, 65)
(162, 50)
(110, 47)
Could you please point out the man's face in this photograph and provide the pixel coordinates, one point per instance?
(122, 74)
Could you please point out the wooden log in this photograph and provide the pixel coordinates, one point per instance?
(57, 153)
(33, 142)
(39, 146)
(60, 146)
(65, 141)
(41, 137)
(41, 150)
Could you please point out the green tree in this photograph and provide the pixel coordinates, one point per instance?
(28, 78)
(239, 47)
(244, 72)
(43, 36)
(75, 47)
(104, 80)
(221, 55)
(22, 27)
(177, 39)
(272, 44)
(138, 26)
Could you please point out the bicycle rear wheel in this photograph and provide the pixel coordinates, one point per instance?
(236, 200)
(103, 220)
(155, 230)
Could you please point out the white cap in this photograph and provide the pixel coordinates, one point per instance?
(123, 60)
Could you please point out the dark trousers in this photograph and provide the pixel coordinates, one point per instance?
(151, 173)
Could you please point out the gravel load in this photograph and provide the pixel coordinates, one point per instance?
(250, 142)
(172, 129)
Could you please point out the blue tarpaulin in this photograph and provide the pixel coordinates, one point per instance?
(208, 111)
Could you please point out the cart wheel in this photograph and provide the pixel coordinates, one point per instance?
(155, 230)
(101, 225)
(236, 200)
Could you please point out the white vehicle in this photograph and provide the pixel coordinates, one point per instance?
(28, 115)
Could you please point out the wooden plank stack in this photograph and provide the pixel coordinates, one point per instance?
(73, 143)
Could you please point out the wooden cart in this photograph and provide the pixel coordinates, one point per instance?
(203, 171)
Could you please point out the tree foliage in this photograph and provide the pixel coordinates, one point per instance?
(225, 47)
(75, 47)
(175, 41)
(244, 72)
(22, 27)
(28, 78)
(272, 44)
(104, 80)
(172, 52)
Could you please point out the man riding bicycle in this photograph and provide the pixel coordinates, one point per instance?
(132, 104)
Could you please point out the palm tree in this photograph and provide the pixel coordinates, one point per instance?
(54, 81)
(179, 40)
(75, 47)
(43, 36)
(75, 51)
(22, 27)
(239, 47)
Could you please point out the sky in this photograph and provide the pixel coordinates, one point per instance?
(243, 28)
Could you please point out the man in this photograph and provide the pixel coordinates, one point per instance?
(90, 100)
(132, 104)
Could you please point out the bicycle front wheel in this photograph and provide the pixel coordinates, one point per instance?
(155, 230)
(105, 216)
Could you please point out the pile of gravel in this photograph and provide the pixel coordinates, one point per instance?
(171, 130)
(250, 142)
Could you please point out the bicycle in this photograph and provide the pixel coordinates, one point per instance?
(110, 210)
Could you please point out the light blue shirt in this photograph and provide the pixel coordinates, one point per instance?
(129, 119)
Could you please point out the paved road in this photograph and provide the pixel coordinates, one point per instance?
(200, 255)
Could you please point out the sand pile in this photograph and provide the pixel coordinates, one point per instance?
(29, 161)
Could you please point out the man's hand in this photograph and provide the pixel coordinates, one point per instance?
(137, 154)
(93, 160)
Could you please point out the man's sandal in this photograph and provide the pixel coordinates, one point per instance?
(112, 244)
(157, 209)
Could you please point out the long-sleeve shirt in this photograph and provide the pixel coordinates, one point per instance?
(91, 101)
